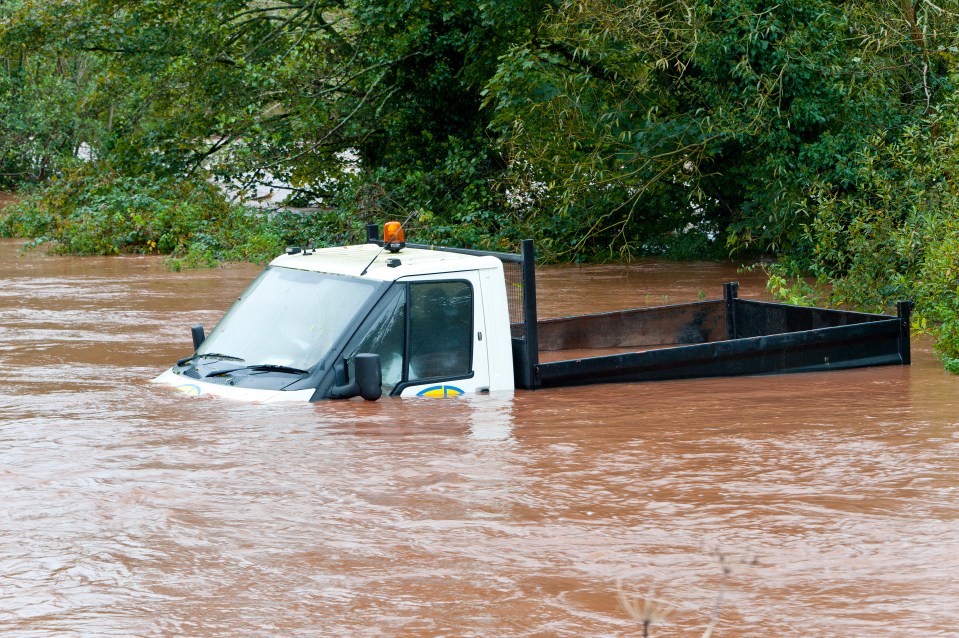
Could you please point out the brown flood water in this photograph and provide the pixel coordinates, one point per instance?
(128, 509)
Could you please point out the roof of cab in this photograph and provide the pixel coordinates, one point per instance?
(351, 260)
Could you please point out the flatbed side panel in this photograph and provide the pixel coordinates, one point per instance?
(664, 325)
(864, 344)
(757, 318)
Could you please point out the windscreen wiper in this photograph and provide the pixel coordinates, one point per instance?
(272, 367)
(210, 355)
(260, 367)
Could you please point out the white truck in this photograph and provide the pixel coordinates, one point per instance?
(412, 320)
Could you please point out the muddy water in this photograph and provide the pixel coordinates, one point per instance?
(127, 509)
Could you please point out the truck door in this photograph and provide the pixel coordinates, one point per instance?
(430, 335)
(446, 351)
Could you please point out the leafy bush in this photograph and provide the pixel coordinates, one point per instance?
(97, 211)
(894, 232)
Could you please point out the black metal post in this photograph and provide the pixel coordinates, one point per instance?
(904, 310)
(730, 294)
(531, 337)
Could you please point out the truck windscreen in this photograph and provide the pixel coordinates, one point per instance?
(288, 318)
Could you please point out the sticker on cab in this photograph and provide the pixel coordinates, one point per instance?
(189, 389)
(442, 391)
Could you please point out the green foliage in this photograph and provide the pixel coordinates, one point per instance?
(439, 56)
(43, 117)
(894, 232)
(98, 211)
(256, 91)
(646, 116)
(788, 281)
(455, 203)
(249, 93)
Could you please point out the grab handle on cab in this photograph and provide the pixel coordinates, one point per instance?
(198, 336)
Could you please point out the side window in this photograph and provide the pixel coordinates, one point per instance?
(386, 338)
(441, 329)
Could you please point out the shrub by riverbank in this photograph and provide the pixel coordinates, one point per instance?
(97, 210)
(190, 220)
(892, 231)
(6, 199)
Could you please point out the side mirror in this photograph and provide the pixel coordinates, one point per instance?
(367, 379)
(198, 336)
(369, 376)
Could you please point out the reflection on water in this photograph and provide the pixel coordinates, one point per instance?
(129, 509)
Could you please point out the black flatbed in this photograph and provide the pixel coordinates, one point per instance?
(719, 338)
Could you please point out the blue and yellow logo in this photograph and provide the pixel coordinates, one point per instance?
(442, 391)
(190, 389)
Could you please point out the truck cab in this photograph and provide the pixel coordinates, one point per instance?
(437, 322)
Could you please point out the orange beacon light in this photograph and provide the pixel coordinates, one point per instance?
(394, 237)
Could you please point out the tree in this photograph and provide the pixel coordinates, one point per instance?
(300, 78)
(672, 113)
(45, 117)
(252, 91)
(891, 231)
